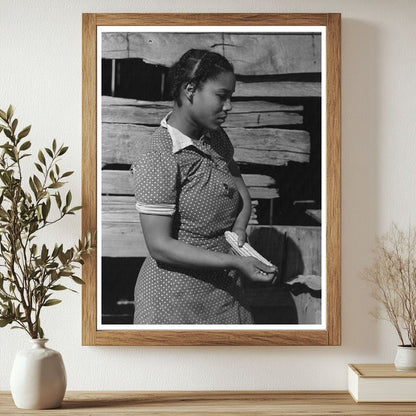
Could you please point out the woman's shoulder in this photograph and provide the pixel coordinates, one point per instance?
(159, 142)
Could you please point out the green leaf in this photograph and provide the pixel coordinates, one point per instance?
(67, 174)
(77, 208)
(56, 185)
(59, 287)
(49, 152)
(25, 145)
(24, 132)
(10, 112)
(63, 150)
(58, 199)
(39, 167)
(41, 157)
(14, 125)
(45, 211)
(51, 302)
(3, 115)
(33, 187)
(8, 133)
(34, 249)
(37, 182)
(40, 332)
(5, 321)
(68, 199)
(76, 279)
(44, 253)
(54, 145)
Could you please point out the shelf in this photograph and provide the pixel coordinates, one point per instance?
(179, 403)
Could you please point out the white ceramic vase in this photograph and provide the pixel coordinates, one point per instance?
(405, 358)
(38, 377)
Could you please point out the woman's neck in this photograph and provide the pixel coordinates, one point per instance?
(182, 121)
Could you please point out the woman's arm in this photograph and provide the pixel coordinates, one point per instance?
(243, 217)
(162, 247)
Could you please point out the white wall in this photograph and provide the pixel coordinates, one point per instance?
(40, 74)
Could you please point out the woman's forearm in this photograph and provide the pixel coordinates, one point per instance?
(164, 248)
(177, 253)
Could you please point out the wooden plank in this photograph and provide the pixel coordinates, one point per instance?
(122, 237)
(211, 403)
(295, 250)
(238, 106)
(251, 54)
(151, 116)
(118, 182)
(278, 89)
(316, 214)
(269, 146)
(243, 113)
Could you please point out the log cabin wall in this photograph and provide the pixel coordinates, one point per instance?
(275, 129)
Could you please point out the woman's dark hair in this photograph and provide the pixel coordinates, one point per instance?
(196, 66)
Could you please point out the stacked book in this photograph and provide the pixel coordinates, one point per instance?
(381, 383)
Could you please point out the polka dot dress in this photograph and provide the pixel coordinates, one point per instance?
(197, 183)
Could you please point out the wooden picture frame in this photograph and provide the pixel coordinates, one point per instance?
(330, 333)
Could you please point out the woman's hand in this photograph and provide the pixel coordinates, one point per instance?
(241, 235)
(255, 270)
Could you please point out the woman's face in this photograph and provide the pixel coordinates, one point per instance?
(211, 101)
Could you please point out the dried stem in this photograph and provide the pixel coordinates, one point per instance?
(393, 276)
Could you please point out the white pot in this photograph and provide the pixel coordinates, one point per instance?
(405, 358)
(38, 377)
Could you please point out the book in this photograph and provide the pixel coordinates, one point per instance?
(381, 383)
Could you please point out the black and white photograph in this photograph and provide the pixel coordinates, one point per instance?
(211, 178)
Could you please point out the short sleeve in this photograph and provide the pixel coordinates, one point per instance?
(154, 178)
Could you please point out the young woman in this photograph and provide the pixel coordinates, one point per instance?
(189, 192)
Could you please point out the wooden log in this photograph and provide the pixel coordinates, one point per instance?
(118, 182)
(121, 143)
(250, 53)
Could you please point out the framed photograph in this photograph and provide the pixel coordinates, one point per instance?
(199, 129)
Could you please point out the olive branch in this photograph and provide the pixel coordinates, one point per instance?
(30, 274)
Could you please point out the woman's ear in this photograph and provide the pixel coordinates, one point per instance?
(189, 91)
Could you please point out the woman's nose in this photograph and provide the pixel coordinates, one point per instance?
(227, 105)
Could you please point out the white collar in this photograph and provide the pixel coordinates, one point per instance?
(179, 140)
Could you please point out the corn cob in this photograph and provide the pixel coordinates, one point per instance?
(246, 250)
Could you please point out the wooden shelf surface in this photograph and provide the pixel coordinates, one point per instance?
(179, 403)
